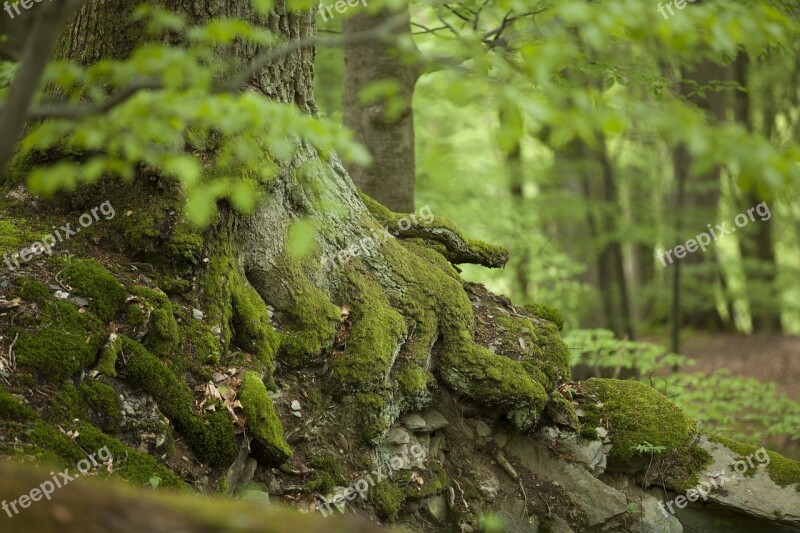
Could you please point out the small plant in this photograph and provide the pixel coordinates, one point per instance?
(646, 447)
(154, 482)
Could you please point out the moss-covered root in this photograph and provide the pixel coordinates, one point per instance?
(252, 328)
(636, 415)
(457, 247)
(495, 381)
(269, 445)
(213, 439)
(162, 335)
(107, 362)
(375, 340)
(91, 504)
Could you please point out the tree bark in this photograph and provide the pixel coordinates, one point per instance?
(388, 135)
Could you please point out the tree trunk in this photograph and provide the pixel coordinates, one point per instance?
(386, 125)
(756, 239)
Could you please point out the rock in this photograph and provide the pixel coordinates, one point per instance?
(61, 295)
(500, 439)
(255, 496)
(482, 429)
(413, 421)
(397, 436)
(197, 314)
(757, 495)
(591, 453)
(599, 501)
(297, 414)
(436, 447)
(437, 507)
(295, 405)
(433, 420)
(601, 432)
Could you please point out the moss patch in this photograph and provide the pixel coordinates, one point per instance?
(387, 500)
(252, 328)
(635, 414)
(782, 471)
(88, 278)
(262, 420)
(60, 341)
(329, 473)
(13, 409)
(163, 337)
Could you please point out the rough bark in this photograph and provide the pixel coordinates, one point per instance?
(390, 139)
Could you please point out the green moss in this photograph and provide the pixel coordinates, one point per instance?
(136, 467)
(563, 412)
(33, 290)
(107, 362)
(545, 356)
(198, 339)
(93, 401)
(689, 461)
(13, 409)
(548, 313)
(89, 279)
(782, 471)
(371, 415)
(136, 316)
(60, 341)
(313, 318)
(102, 402)
(17, 233)
(212, 440)
(387, 500)
(435, 481)
(413, 382)
(374, 339)
(262, 420)
(329, 473)
(474, 251)
(163, 337)
(636, 413)
(252, 328)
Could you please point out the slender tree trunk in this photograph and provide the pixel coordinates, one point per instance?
(756, 239)
(385, 126)
(696, 206)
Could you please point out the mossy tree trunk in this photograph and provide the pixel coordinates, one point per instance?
(404, 295)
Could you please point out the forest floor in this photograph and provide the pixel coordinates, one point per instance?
(768, 358)
(774, 358)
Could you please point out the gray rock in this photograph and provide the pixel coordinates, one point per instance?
(437, 507)
(599, 501)
(413, 421)
(601, 432)
(483, 429)
(757, 495)
(433, 420)
(397, 436)
(197, 314)
(295, 405)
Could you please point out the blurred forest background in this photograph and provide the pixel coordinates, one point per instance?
(587, 174)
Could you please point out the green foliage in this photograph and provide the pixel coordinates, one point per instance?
(249, 134)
